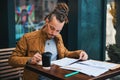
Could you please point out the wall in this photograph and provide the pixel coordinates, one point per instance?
(7, 32)
(87, 27)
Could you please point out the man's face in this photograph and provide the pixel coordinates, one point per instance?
(53, 27)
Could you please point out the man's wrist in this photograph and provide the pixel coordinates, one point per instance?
(29, 61)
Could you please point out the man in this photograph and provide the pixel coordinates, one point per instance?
(32, 45)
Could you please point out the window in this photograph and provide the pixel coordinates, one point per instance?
(29, 15)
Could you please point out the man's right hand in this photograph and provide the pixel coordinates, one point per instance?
(36, 58)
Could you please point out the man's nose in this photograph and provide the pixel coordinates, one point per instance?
(54, 32)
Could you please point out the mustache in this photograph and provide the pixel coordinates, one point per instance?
(51, 35)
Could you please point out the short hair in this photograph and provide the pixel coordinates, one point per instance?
(61, 13)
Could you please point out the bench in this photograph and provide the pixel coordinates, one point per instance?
(8, 72)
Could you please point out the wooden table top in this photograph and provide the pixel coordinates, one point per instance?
(58, 73)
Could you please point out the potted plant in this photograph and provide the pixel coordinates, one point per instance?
(113, 53)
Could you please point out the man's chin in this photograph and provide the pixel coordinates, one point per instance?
(51, 37)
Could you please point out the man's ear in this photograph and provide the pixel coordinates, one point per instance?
(46, 20)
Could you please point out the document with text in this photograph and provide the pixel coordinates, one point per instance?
(64, 61)
(89, 67)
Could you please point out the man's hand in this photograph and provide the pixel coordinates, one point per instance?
(36, 58)
(83, 55)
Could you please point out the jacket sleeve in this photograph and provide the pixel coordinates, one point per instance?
(18, 57)
(64, 52)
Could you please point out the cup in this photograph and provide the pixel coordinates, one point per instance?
(46, 60)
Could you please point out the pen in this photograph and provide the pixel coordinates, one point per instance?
(71, 74)
(75, 62)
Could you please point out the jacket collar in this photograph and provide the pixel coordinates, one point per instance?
(43, 34)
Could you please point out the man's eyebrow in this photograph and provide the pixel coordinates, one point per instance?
(52, 25)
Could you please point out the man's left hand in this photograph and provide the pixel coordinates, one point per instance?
(83, 55)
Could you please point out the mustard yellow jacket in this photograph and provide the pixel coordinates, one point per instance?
(32, 42)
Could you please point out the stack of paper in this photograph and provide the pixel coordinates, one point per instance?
(99, 64)
(89, 70)
(89, 67)
(64, 61)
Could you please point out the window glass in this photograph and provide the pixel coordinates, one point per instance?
(29, 15)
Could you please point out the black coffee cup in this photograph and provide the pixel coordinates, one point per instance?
(46, 60)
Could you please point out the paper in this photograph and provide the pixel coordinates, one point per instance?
(89, 70)
(99, 64)
(64, 61)
(91, 67)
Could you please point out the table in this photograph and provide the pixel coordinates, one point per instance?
(57, 73)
